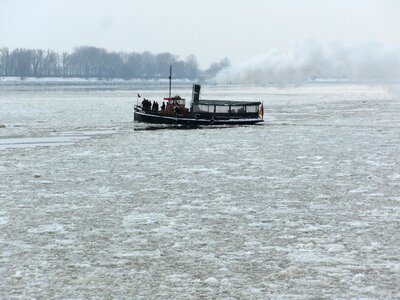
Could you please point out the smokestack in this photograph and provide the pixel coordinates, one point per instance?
(196, 93)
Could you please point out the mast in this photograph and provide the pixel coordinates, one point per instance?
(170, 78)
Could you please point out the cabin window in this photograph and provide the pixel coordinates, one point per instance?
(222, 109)
(252, 108)
(237, 109)
(206, 108)
(203, 108)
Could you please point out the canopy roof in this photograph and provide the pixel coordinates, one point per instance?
(226, 102)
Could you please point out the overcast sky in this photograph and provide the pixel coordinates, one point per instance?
(209, 29)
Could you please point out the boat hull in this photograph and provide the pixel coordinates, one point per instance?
(154, 118)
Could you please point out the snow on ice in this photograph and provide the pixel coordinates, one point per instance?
(304, 206)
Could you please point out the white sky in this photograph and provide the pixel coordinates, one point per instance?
(209, 29)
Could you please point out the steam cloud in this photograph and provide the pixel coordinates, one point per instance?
(368, 61)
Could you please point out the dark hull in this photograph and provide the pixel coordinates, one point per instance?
(154, 118)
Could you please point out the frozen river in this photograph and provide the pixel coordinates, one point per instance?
(305, 206)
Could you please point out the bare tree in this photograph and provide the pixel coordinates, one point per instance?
(65, 64)
(51, 64)
(37, 62)
(4, 61)
(86, 61)
(21, 62)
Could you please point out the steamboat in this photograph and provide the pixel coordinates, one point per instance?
(201, 111)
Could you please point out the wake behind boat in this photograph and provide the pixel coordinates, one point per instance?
(201, 112)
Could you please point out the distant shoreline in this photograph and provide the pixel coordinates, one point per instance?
(86, 82)
(14, 80)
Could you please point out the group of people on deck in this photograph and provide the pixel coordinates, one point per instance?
(148, 105)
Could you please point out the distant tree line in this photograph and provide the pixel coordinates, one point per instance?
(89, 62)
